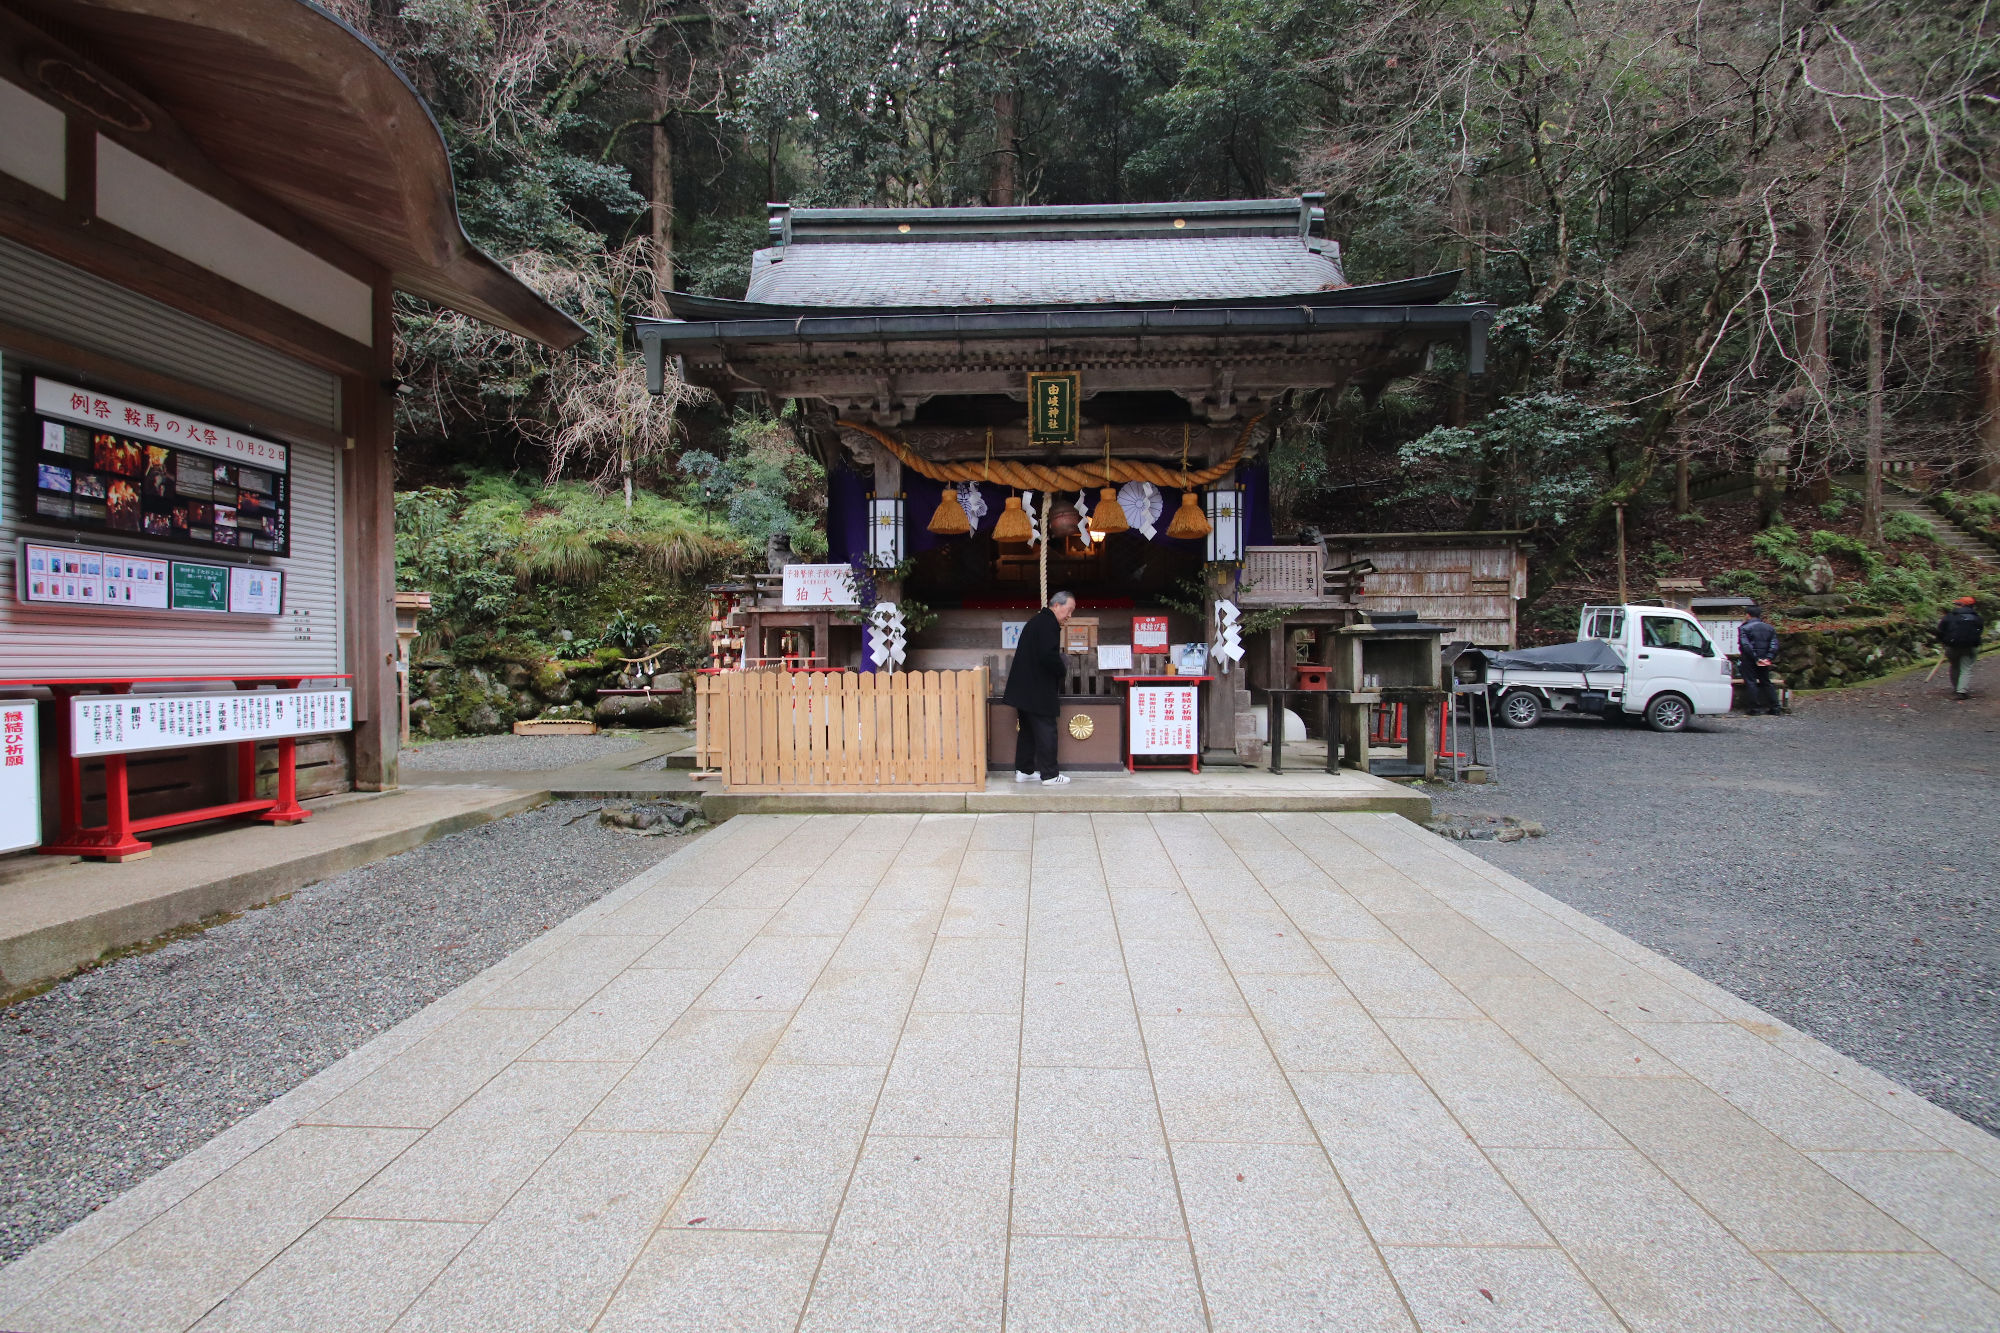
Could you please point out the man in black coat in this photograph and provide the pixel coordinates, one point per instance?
(1757, 643)
(1034, 688)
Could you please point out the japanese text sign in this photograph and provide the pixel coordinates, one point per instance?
(1052, 404)
(20, 777)
(1163, 720)
(67, 402)
(1149, 634)
(820, 585)
(133, 723)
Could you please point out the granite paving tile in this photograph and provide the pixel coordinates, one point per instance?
(1949, 1202)
(1061, 1284)
(1892, 1293)
(690, 1281)
(939, 1286)
(691, 1078)
(1493, 1289)
(343, 1276)
(1498, 1092)
(624, 1019)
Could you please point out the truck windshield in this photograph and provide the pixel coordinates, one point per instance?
(1668, 632)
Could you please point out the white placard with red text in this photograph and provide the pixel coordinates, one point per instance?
(132, 723)
(67, 402)
(1163, 719)
(20, 777)
(1149, 634)
(820, 585)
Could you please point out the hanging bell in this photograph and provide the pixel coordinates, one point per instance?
(1189, 522)
(1013, 525)
(1109, 516)
(950, 519)
(1064, 521)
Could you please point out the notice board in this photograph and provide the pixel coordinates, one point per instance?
(20, 777)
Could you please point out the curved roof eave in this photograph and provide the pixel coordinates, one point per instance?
(355, 152)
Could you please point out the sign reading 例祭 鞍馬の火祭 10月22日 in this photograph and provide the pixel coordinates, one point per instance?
(20, 776)
(135, 723)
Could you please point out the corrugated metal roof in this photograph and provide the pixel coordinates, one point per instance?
(1000, 270)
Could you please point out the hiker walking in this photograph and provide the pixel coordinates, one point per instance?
(1960, 632)
(1758, 644)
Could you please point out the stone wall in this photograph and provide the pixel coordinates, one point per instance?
(1817, 657)
(450, 698)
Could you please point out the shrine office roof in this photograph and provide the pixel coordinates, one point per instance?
(948, 260)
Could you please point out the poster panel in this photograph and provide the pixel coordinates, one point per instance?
(820, 585)
(1163, 719)
(20, 776)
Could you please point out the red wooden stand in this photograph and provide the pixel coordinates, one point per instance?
(1193, 762)
(116, 839)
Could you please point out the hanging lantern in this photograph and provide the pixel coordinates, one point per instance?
(1225, 515)
(1188, 523)
(1108, 517)
(950, 519)
(1064, 521)
(1013, 525)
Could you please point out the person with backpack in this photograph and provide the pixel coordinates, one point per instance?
(1960, 631)
(1757, 643)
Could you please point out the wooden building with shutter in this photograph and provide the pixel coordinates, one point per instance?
(205, 213)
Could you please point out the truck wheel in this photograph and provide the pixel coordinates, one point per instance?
(1668, 712)
(1520, 708)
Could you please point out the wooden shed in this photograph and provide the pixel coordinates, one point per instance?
(1470, 580)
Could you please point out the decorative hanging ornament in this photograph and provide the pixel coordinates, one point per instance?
(1108, 518)
(1064, 521)
(1083, 516)
(1034, 528)
(1013, 525)
(950, 520)
(1142, 505)
(1189, 523)
(972, 501)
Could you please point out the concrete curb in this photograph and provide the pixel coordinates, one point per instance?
(720, 806)
(56, 950)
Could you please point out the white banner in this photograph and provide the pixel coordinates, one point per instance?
(134, 723)
(67, 402)
(820, 585)
(20, 777)
(1163, 719)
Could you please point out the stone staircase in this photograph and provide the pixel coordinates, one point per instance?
(1950, 536)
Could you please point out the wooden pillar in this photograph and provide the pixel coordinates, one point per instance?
(368, 522)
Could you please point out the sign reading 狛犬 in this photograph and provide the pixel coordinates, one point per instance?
(820, 585)
(1052, 401)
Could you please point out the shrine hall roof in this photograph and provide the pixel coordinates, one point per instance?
(954, 259)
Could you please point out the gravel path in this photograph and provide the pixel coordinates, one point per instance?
(118, 1072)
(512, 754)
(1838, 867)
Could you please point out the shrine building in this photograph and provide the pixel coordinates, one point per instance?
(1014, 400)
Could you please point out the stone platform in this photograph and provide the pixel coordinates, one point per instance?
(1283, 1071)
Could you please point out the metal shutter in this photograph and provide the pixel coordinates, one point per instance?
(52, 297)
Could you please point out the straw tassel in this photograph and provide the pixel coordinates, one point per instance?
(1188, 523)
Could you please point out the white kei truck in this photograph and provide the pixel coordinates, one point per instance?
(1633, 661)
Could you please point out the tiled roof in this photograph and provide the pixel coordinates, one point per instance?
(1000, 271)
(1072, 255)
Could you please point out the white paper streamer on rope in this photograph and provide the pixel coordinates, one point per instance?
(886, 640)
(1034, 522)
(971, 501)
(1083, 517)
(1228, 638)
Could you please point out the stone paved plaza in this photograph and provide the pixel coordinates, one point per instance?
(1063, 1072)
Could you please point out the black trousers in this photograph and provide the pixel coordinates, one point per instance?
(1035, 744)
(1758, 692)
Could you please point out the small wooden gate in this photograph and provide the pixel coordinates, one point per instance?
(776, 731)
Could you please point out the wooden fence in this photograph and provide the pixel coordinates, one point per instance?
(775, 731)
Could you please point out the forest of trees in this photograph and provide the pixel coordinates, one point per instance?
(1713, 230)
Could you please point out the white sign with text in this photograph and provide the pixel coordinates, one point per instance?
(135, 723)
(20, 777)
(820, 585)
(1163, 719)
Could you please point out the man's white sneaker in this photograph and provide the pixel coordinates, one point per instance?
(1027, 777)
(1056, 781)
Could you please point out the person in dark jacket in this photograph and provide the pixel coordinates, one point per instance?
(1034, 688)
(1960, 632)
(1757, 643)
